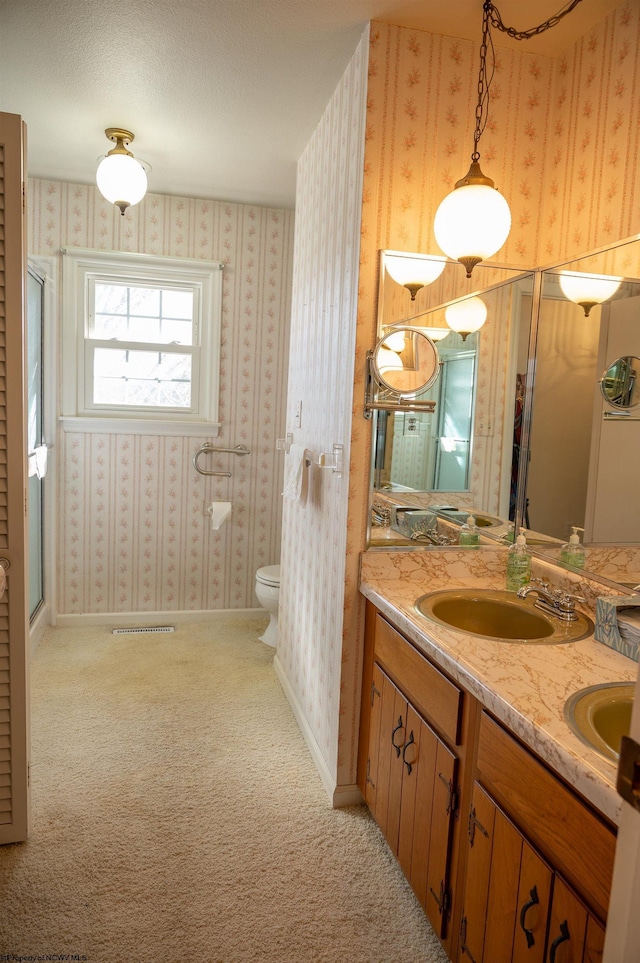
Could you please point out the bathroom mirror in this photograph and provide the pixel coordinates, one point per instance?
(584, 428)
(574, 440)
(461, 457)
(619, 383)
(405, 362)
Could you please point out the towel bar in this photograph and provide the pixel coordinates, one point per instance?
(208, 447)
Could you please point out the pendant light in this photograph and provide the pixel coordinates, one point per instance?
(473, 221)
(412, 272)
(121, 178)
(466, 316)
(587, 290)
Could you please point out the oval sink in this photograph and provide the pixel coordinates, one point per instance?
(600, 716)
(499, 615)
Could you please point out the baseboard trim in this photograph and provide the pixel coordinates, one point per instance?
(37, 627)
(118, 619)
(339, 796)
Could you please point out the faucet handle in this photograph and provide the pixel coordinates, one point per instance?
(542, 583)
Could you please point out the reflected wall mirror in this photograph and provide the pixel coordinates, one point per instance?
(619, 383)
(552, 442)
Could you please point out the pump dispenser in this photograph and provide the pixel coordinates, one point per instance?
(469, 534)
(572, 552)
(518, 564)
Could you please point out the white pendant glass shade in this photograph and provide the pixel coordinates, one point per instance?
(588, 289)
(414, 272)
(121, 179)
(395, 340)
(466, 316)
(387, 360)
(472, 221)
(436, 334)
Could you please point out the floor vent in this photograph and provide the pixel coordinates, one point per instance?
(148, 628)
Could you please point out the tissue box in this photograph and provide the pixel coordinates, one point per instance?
(606, 629)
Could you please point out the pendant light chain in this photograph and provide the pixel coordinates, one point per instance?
(491, 18)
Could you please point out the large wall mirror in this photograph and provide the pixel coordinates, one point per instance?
(584, 464)
(539, 423)
(463, 456)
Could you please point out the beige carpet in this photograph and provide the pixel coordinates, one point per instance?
(177, 816)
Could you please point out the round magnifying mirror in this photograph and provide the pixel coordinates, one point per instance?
(619, 383)
(405, 361)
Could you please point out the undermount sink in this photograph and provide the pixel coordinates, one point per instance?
(600, 716)
(499, 615)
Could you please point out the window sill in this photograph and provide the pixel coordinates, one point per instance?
(140, 426)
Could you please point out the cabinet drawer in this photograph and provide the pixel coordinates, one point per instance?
(434, 695)
(567, 832)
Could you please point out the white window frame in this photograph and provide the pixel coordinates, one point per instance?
(80, 270)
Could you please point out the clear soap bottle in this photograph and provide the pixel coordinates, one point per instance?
(469, 534)
(572, 552)
(518, 564)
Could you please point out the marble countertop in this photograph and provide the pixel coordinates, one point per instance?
(524, 685)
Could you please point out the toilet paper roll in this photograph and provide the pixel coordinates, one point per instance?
(219, 512)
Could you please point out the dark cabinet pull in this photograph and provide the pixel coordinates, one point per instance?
(410, 742)
(393, 736)
(564, 936)
(533, 901)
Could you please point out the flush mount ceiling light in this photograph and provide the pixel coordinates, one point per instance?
(466, 316)
(587, 290)
(121, 178)
(474, 220)
(413, 273)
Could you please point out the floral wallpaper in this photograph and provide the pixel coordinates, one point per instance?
(132, 533)
(592, 189)
(317, 651)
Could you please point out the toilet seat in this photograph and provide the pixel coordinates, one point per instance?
(269, 575)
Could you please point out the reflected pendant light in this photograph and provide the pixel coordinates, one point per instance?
(587, 290)
(121, 178)
(473, 221)
(413, 273)
(466, 316)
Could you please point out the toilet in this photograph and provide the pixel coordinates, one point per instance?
(268, 595)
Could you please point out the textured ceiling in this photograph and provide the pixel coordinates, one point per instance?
(222, 95)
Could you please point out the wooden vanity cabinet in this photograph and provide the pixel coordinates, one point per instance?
(413, 725)
(508, 862)
(535, 895)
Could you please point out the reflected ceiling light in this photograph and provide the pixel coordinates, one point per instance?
(395, 340)
(387, 360)
(436, 334)
(466, 316)
(413, 273)
(587, 290)
(121, 178)
(474, 220)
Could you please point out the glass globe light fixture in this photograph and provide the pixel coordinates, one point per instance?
(121, 178)
(466, 316)
(413, 273)
(395, 340)
(587, 290)
(436, 334)
(388, 360)
(473, 221)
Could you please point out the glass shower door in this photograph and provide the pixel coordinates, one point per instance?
(37, 449)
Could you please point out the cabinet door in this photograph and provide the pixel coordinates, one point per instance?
(443, 812)
(371, 783)
(390, 741)
(594, 945)
(507, 891)
(567, 927)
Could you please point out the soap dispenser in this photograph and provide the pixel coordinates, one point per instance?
(518, 564)
(572, 552)
(469, 534)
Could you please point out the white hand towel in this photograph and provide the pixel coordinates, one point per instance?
(293, 472)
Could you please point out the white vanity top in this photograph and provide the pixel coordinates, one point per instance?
(524, 685)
